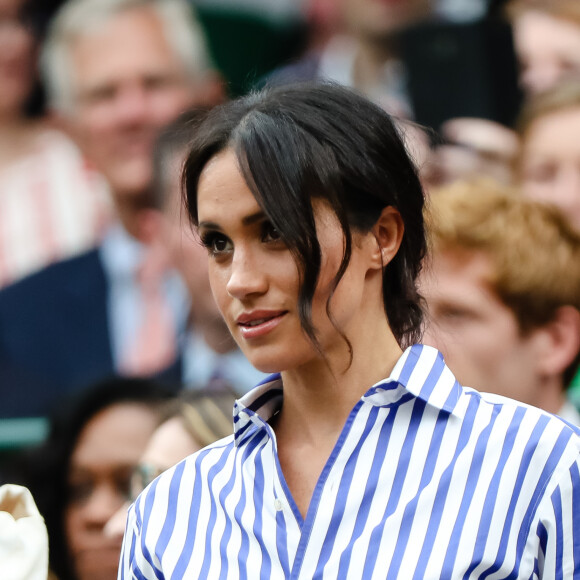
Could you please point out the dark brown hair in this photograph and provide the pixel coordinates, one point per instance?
(298, 142)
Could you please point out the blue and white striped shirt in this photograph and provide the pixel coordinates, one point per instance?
(428, 479)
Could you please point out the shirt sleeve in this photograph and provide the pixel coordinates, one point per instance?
(558, 529)
(134, 564)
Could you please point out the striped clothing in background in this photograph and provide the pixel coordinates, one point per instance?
(427, 480)
(52, 206)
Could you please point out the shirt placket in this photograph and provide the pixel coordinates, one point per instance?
(299, 531)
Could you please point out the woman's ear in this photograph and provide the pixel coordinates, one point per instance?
(388, 233)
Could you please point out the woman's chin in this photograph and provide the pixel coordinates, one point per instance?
(267, 367)
(268, 363)
(277, 351)
(280, 361)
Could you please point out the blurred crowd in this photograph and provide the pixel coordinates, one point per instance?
(109, 334)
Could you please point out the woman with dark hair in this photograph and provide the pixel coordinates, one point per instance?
(82, 474)
(356, 459)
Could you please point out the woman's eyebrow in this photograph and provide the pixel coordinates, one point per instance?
(253, 218)
(246, 221)
(208, 226)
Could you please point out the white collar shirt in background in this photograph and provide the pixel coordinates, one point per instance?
(428, 480)
(122, 255)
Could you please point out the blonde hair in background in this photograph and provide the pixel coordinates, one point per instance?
(534, 252)
(77, 18)
(207, 415)
(565, 95)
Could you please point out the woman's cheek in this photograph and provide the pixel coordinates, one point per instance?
(218, 279)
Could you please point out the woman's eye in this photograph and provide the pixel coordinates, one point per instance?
(79, 492)
(270, 233)
(216, 244)
(123, 484)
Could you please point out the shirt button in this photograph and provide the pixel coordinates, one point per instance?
(278, 505)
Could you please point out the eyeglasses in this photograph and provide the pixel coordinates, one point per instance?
(141, 477)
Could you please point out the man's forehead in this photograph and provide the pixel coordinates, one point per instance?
(460, 258)
(461, 264)
(131, 40)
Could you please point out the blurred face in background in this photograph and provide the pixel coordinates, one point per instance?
(478, 335)
(108, 449)
(17, 54)
(128, 83)
(186, 252)
(169, 444)
(547, 48)
(379, 18)
(550, 161)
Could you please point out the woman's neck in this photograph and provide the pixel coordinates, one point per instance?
(317, 402)
(319, 397)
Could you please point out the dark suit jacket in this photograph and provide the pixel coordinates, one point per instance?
(54, 335)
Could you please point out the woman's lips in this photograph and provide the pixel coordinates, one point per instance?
(259, 323)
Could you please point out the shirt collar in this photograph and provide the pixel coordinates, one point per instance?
(120, 252)
(420, 373)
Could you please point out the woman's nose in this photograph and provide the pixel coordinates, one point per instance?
(247, 275)
(102, 504)
(115, 527)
